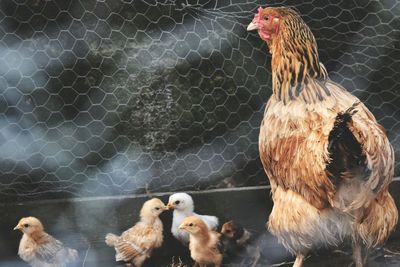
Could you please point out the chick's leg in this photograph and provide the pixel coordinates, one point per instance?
(139, 260)
(218, 262)
(299, 260)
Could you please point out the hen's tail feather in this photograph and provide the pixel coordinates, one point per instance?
(111, 239)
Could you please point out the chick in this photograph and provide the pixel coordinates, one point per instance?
(183, 206)
(136, 244)
(236, 232)
(40, 249)
(234, 238)
(204, 244)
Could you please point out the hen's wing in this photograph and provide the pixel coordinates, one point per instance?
(348, 159)
(360, 154)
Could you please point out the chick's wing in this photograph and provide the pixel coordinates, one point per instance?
(48, 248)
(135, 241)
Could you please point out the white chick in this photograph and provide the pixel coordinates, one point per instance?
(40, 249)
(183, 206)
(136, 244)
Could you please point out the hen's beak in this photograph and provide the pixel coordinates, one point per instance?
(252, 26)
(170, 206)
(18, 227)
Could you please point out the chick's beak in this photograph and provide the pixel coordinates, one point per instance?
(182, 226)
(166, 207)
(252, 26)
(170, 206)
(18, 227)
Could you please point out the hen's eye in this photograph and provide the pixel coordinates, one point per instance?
(26, 225)
(177, 202)
(266, 17)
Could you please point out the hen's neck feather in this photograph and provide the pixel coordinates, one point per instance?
(297, 73)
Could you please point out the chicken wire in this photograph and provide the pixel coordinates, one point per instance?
(116, 97)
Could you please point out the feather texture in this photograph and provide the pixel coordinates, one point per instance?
(204, 244)
(183, 206)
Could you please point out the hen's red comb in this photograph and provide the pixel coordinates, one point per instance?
(257, 17)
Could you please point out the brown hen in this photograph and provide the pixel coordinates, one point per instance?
(328, 160)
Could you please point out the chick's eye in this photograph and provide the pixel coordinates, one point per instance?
(157, 208)
(177, 202)
(191, 224)
(26, 225)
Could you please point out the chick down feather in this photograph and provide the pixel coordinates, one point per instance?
(183, 206)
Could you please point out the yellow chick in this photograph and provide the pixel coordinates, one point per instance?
(40, 249)
(135, 245)
(204, 244)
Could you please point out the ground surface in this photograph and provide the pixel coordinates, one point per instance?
(82, 224)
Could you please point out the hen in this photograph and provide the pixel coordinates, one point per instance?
(328, 160)
(136, 244)
(40, 249)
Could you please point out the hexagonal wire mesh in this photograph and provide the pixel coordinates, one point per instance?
(114, 97)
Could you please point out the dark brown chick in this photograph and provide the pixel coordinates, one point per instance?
(40, 249)
(233, 239)
(328, 160)
(203, 243)
(236, 232)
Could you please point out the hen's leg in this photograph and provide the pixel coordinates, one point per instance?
(359, 254)
(299, 260)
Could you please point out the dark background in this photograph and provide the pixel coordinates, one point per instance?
(104, 98)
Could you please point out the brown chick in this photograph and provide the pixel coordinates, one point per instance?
(136, 244)
(40, 249)
(203, 243)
